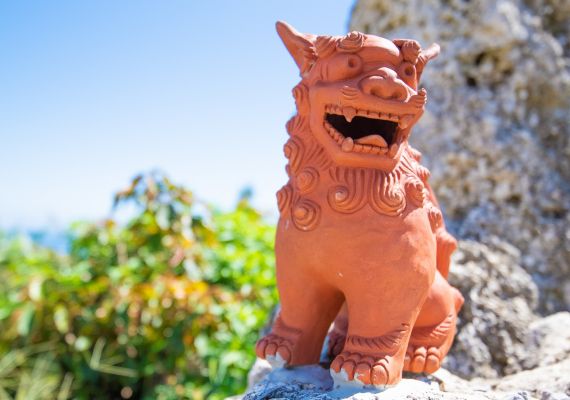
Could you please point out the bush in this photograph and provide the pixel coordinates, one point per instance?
(165, 306)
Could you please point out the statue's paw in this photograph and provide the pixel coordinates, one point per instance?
(275, 349)
(362, 370)
(422, 359)
(429, 345)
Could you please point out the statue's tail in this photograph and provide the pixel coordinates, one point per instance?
(446, 245)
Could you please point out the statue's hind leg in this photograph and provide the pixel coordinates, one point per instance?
(434, 330)
(307, 310)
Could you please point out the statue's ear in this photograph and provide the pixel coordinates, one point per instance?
(426, 55)
(299, 45)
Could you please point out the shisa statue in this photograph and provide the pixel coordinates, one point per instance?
(360, 237)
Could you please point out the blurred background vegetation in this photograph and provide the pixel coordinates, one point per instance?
(166, 305)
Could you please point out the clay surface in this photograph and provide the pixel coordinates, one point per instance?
(360, 235)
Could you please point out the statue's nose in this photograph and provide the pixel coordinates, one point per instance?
(384, 83)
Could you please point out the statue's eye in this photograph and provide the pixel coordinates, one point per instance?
(354, 62)
(344, 66)
(407, 72)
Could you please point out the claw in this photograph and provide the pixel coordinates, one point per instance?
(349, 366)
(360, 369)
(337, 363)
(363, 373)
(260, 348)
(270, 349)
(418, 362)
(379, 375)
(432, 364)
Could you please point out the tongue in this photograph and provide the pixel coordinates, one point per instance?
(372, 140)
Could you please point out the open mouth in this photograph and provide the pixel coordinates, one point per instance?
(364, 131)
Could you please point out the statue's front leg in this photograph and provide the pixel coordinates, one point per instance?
(382, 310)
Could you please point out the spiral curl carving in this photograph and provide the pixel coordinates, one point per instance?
(350, 196)
(352, 42)
(307, 180)
(422, 172)
(325, 45)
(284, 197)
(293, 150)
(301, 96)
(298, 126)
(387, 196)
(415, 154)
(306, 214)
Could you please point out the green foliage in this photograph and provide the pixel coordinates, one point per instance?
(165, 306)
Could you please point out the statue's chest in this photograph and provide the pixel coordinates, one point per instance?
(364, 236)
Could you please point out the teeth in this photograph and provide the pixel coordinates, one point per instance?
(373, 144)
(405, 121)
(347, 145)
(373, 140)
(349, 113)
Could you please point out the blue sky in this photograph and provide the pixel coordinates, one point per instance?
(93, 92)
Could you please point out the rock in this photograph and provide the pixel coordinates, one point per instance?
(499, 331)
(260, 369)
(314, 383)
(548, 341)
(496, 134)
(550, 382)
(500, 303)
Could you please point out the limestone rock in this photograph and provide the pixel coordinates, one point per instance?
(314, 383)
(550, 382)
(548, 341)
(500, 303)
(496, 134)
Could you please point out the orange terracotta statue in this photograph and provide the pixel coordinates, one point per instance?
(360, 235)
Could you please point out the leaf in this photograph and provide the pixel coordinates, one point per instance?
(65, 388)
(35, 289)
(26, 319)
(61, 318)
(82, 343)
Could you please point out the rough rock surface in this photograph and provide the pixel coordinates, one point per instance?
(500, 300)
(496, 133)
(549, 338)
(315, 383)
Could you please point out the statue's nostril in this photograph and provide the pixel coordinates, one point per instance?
(387, 89)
